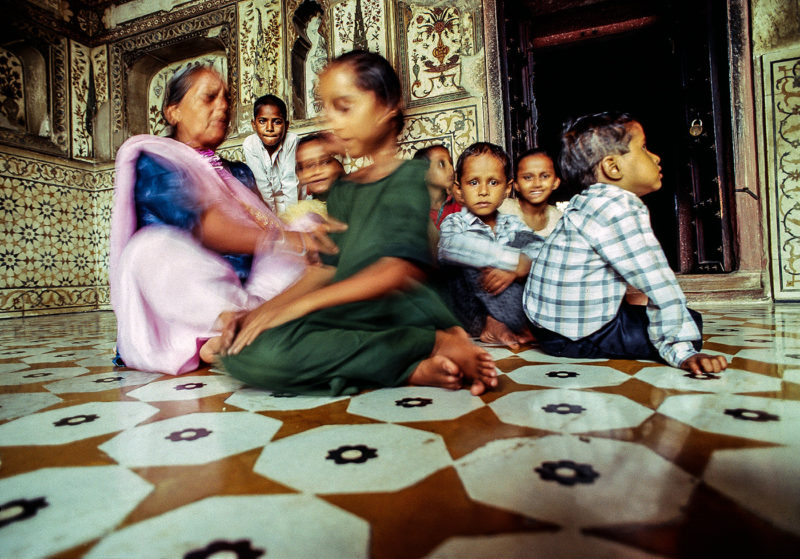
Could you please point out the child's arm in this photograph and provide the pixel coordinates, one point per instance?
(459, 246)
(495, 281)
(386, 275)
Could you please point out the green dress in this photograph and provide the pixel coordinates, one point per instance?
(366, 344)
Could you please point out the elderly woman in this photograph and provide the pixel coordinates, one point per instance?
(191, 245)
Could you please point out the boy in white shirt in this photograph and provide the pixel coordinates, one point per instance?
(270, 153)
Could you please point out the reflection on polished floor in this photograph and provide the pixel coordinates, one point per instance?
(567, 458)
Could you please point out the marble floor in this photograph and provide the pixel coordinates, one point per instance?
(567, 458)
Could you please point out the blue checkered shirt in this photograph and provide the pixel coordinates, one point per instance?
(466, 240)
(579, 278)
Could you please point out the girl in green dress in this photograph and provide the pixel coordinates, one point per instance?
(364, 319)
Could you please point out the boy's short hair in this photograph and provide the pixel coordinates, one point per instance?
(269, 99)
(479, 148)
(425, 153)
(529, 153)
(313, 137)
(587, 140)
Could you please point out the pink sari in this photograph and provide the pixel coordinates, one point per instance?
(167, 289)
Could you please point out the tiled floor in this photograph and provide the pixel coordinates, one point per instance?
(567, 458)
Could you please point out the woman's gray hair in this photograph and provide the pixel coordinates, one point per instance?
(177, 87)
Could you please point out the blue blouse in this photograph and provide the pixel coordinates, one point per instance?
(163, 197)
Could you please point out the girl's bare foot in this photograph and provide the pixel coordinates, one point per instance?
(474, 362)
(436, 370)
(495, 332)
(227, 322)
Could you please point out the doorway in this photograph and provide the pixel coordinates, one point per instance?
(663, 62)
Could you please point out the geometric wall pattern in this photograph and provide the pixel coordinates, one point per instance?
(782, 112)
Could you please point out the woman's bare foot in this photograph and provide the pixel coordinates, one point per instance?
(495, 332)
(227, 322)
(475, 363)
(436, 370)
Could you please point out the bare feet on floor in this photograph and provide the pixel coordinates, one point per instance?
(475, 363)
(437, 370)
(495, 332)
(227, 322)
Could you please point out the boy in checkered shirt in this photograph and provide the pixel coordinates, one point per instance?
(575, 292)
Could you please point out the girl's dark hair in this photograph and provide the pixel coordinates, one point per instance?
(587, 140)
(313, 137)
(269, 99)
(374, 73)
(179, 84)
(529, 153)
(425, 153)
(480, 148)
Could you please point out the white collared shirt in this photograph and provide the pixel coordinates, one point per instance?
(275, 174)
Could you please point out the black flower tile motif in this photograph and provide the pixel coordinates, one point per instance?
(190, 386)
(37, 375)
(413, 402)
(562, 374)
(355, 454)
(702, 376)
(563, 408)
(751, 415)
(283, 394)
(107, 379)
(76, 420)
(20, 509)
(189, 434)
(553, 471)
(241, 549)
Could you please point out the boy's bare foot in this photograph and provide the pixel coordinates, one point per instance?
(227, 322)
(474, 362)
(495, 332)
(436, 370)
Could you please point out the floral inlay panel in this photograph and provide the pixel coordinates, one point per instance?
(12, 92)
(456, 128)
(261, 58)
(359, 24)
(782, 111)
(83, 105)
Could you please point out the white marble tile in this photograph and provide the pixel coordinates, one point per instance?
(101, 360)
(535, 355)
(274, 526)
(414, 403)
(739, 331)
(196, 438)
(728, 381)
(98, 382)
(497, 352)
(752, 417)
(569, 411)
(561, 545)
(12, 367)
(780, 354)
(353, 458)
(60, 508)
(46, 374)
(568, 376)
(258, 399)
(63, 355)
(186, 388)
(17, 405)
(792, 375)
(66, 425)
(763, 480)
(21, 352)
(577, 482)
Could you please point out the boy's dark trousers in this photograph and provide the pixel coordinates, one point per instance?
(471, 304)
(624, 337)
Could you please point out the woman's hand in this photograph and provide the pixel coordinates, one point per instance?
(263, 318)
(316, 240)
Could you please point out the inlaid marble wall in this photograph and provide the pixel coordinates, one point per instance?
(782, 113)
(53, 234)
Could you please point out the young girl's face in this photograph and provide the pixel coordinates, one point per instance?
(355, 116)
(536, 178)
(316, 168)
(440, 173)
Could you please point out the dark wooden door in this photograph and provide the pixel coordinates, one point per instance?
(663, 61)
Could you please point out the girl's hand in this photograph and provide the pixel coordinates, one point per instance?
(263, 318)
(495, 281)
(316, 240)
(700, 363)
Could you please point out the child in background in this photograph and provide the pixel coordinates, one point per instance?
(270, 153)
(439, 178)
(317, 169)
(535, 180)
(575, 293)
(368, 322)
(493, 251)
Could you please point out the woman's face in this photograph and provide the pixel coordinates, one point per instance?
(201, 118)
